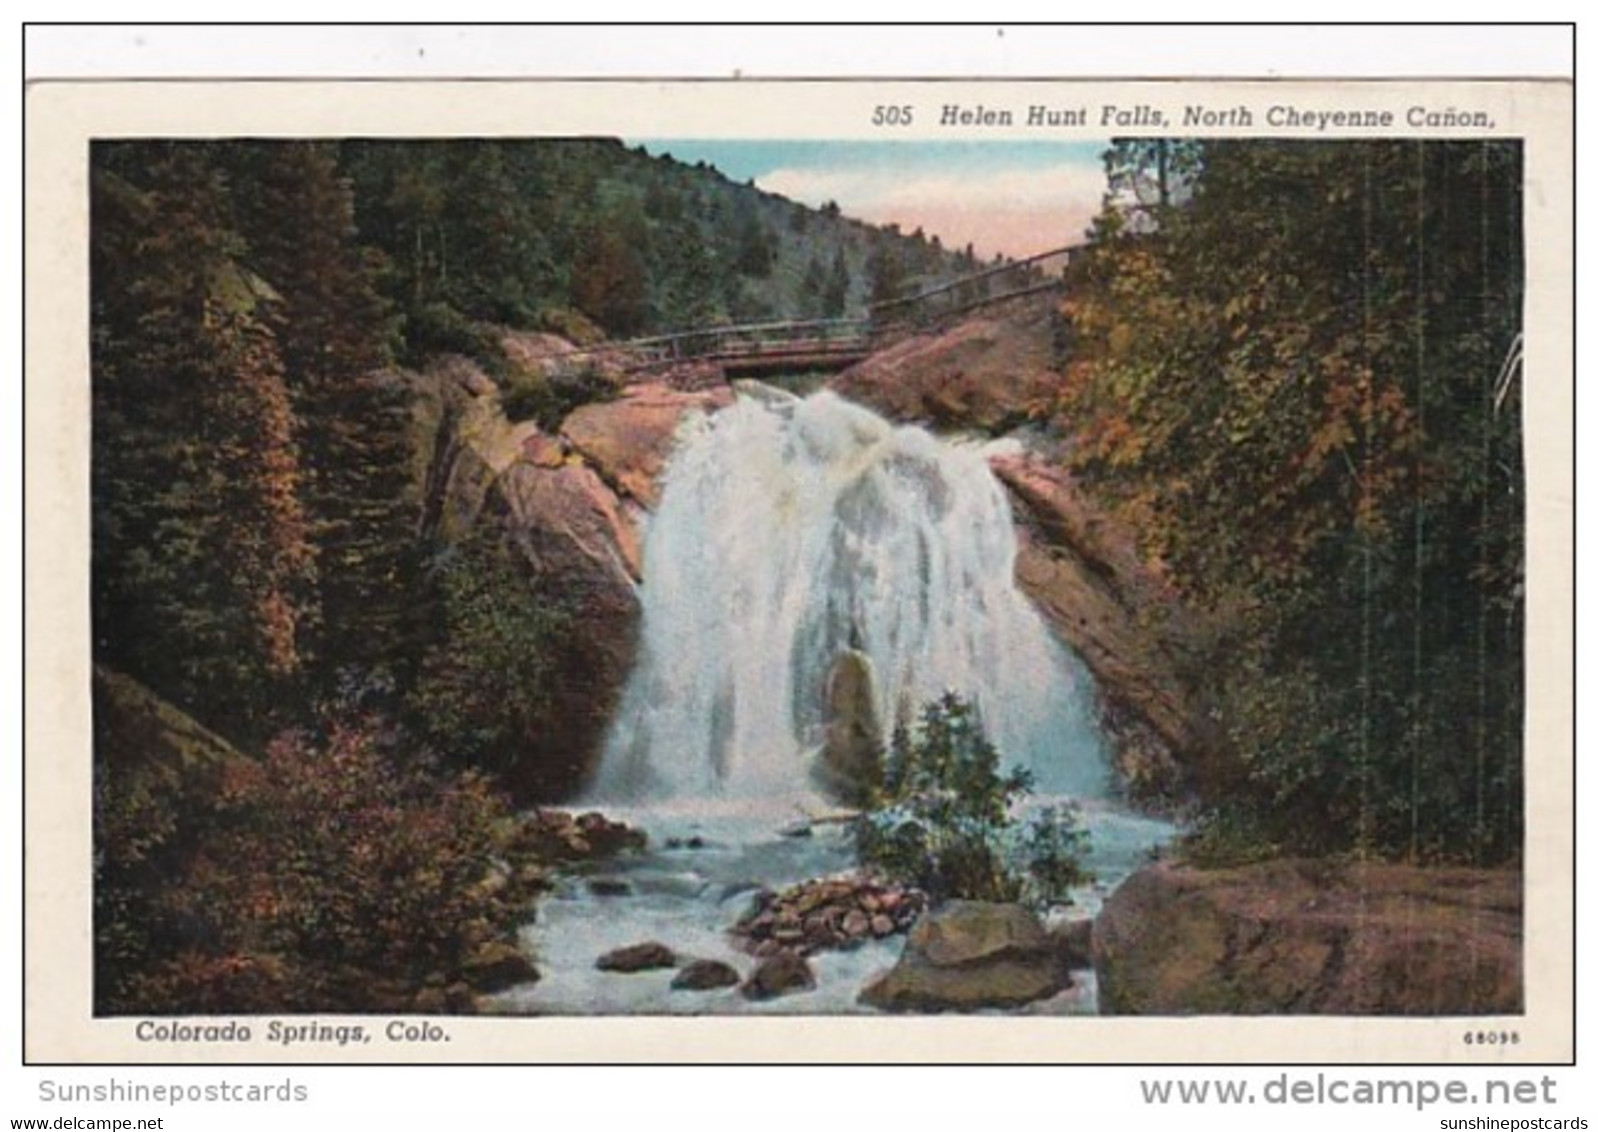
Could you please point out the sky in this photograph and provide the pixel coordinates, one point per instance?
(1018, 198)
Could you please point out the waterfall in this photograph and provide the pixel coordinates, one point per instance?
(792, 530)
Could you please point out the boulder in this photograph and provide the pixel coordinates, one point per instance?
(629, 439)
(607, 838)
(535, 350)
(850, 763)
(152, 744)
(497, 965)
(705, 974)
(649, 956)
(459, 998)
(783, 972)
(970, 955)
(430, 1000)
(556, 835)
(988, 372)
(1308, 937)
(1073, 944)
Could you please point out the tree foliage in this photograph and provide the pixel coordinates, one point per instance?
(483, 688)
(204, 567)
(510, 232)
(1297, 385)
(945, 818)
(352, 417)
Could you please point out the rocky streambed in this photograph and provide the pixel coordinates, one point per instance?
(658, 931)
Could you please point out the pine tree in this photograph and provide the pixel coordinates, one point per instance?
(885, 269)
(203, 573)
(353, 421)
(835, 299)
(811, 289)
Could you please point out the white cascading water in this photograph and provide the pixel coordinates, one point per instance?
(790, 530)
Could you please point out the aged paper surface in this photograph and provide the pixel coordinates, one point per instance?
(63, 120)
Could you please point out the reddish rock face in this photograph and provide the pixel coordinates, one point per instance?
(985, 373)
(567, 526)
(1083, 572)
(1308, 937)
(567, 519)
(629, 440)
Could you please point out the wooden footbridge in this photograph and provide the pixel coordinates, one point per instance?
(825, 345)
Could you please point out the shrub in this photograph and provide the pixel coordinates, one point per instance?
(548, 396)
(485, 686)
(438, 328)
(332, 874)
(945, 818)
(574, 326)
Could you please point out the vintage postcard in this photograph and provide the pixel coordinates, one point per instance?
(1047, 571)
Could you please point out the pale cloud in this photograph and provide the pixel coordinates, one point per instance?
(1017, 211)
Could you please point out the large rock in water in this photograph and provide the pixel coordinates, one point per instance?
(781, 973)
(1084, 573)
(649, 956)
(497, 965)
(704, 975)
(1301, 937)
(969, 955)
(851, 754)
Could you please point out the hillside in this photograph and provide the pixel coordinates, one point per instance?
(519, 232)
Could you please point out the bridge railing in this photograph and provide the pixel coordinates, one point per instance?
(735, 340)
(1009, 280)
(839, 336)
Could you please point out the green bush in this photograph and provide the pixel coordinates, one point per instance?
(546, 397)
(945, 818)
(439, 328)
(484, 688)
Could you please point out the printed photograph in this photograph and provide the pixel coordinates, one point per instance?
(653, 575)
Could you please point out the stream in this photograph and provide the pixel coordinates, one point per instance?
(687, 898)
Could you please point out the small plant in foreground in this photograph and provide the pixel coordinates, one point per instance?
(944, 820)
